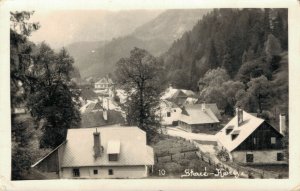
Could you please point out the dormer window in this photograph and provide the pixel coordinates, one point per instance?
(113, 157)
(229, 129)
(235, 134)
(113, 150)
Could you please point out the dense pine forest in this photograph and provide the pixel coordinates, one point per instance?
(234, 57)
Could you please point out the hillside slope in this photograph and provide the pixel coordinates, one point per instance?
(155, 36)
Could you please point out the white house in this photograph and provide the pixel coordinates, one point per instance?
(106, 152)
(105, 86)
(198, 118)
(169, 112)
(104, 83)
(251, 140)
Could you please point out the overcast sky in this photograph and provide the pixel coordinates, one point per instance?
(60, 28)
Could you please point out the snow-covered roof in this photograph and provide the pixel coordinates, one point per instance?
(130, 142)
(113, 147)
(250, 123)
(195, 115)
(105, 80)
(173, 92)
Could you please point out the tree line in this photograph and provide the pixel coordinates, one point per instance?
(234, 57)
(41, 83)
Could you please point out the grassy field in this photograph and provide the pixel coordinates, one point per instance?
(174, 155)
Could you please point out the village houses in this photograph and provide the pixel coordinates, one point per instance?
(106, 152)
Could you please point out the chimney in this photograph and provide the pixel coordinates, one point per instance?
(239, 114)
(105, 116)
(203, 106)
(282, 123)
(107, 103)
(97, 144)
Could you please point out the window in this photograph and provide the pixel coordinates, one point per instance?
(228, 131)
(280, 157)
(234, 136)
(273, 140)
(113, 157)
(76, 172)
(110, 172)
(168, 114)
(249, 157)
(174, 110)
(95, 171)
(254, 141)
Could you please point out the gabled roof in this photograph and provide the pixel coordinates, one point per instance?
(59, 146)
(179, 93)
(169, 104)
(212, 106)
(249, 125)
(95, 119)
(87, 93)
(188, 93)
(133, 149)
(172, 93)
(195, 115)
(104, 80)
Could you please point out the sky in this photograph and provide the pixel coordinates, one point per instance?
(60, 28)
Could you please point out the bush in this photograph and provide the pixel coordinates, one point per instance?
(223, 156)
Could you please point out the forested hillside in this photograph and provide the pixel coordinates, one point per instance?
(156, 36)
(244, 50)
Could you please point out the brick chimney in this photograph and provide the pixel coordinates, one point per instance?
(239, 114)
(97, 144)
(282, 123)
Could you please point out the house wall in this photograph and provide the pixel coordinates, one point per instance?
(119, 172)
(50, 164)
(259, 157)
(199, 128)
(196, 128)
(175, 115)
(185, 126)
(260, 139)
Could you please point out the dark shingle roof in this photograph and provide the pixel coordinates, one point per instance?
(94, 119)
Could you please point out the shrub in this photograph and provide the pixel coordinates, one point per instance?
(223, 156)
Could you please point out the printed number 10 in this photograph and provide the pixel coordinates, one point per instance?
(162, 172)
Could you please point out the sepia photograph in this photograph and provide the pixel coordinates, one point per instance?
(152, 95)
(175, 93)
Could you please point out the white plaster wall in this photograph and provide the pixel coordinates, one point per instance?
(175, 115)
(119, 172)
(259, 157)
